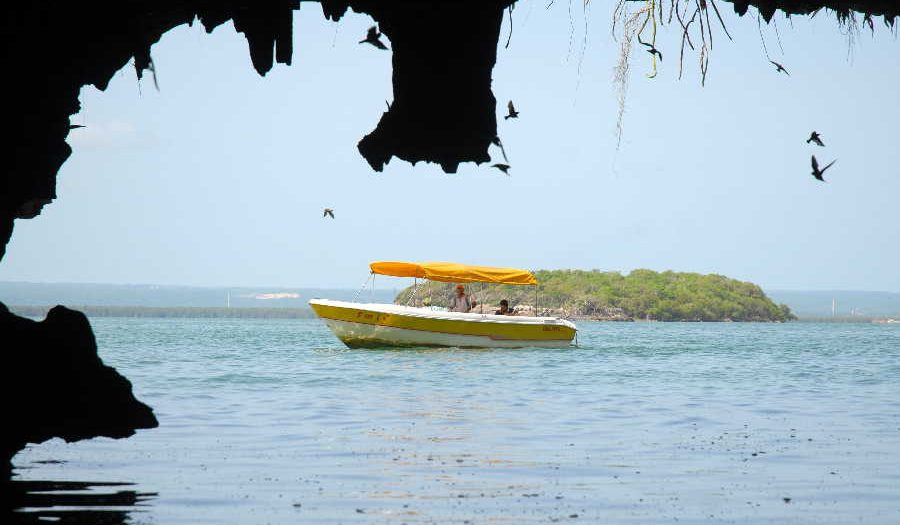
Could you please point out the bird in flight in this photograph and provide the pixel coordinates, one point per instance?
(512, 111)
(502, 167)
(496, 141)
(816, 172)
(653, 50)
(328, 213)
(815, 138)
(373, 37)
(779, 68)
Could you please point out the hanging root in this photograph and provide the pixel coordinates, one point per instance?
(693, 16)
(696, 23)
(631, 24)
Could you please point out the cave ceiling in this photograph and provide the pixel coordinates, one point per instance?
(53, 49)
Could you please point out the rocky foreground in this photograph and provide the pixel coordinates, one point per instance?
(54, 385)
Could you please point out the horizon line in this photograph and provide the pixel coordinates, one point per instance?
(232, 287)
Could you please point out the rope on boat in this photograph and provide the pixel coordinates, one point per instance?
(363, 287)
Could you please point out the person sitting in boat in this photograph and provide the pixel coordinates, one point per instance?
(461, 302)
(504, 308)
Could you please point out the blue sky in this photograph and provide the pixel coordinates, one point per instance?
(220, 177)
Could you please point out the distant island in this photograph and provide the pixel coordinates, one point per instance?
(612, 296)
(154, 300)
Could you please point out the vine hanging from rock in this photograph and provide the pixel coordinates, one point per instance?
(693, 16)
(696, 20)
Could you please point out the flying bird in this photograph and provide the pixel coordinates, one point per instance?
(816, 172)
(653, 50)
(502, 167)
(815, 138)
(779, 68)
(328, 213)
(512, 111)
(373, 37)
(496, 141)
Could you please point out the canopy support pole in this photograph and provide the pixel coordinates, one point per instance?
(481, 301)
(411, 300)
(363, 287)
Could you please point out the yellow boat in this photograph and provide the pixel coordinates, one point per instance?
(372, 325)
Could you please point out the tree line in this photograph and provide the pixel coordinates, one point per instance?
(640, 294)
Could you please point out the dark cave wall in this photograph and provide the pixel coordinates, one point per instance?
(443, 111)
(889, 9)
(53, 49)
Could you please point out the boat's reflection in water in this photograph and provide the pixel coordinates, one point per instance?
(69, 502)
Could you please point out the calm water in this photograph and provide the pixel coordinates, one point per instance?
(274, 421)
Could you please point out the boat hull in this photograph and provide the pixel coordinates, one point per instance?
(361, 325)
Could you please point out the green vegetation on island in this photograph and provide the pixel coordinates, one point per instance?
(639, 295)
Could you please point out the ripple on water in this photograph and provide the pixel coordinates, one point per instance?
(275, 421)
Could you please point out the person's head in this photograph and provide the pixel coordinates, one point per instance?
(504, 305)
(460, 289)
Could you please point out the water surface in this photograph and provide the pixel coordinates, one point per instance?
(275, 421)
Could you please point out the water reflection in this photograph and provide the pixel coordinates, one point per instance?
(69, 502)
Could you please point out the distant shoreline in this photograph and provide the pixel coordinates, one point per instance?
(220, 312)
(818, 305)
(184, 312)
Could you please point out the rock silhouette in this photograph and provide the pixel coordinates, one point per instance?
(53, 384)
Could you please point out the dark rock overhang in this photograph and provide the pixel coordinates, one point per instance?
(889, 9)
(443, 109)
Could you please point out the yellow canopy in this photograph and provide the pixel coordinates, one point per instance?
(449, 272)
